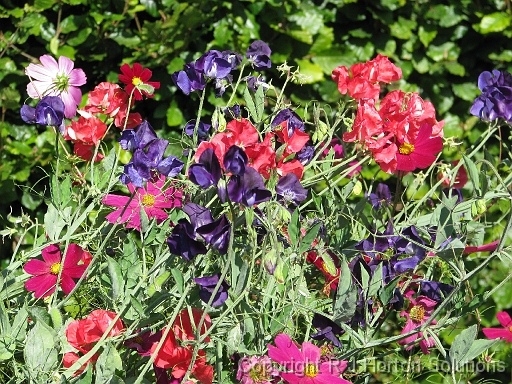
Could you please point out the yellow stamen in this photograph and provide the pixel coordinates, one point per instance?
(258, 373)
(148, 200)
(136, 81)
(55, 268)
(406, 149)
(417, 313)
(311, 370)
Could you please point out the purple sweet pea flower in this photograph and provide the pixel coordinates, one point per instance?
(327, 329)
(217, 234)
(213, 65)
(254, 83)
(207, 171)
(140, 167)
(233, 112)
(142, 343)
(306, 154)
(138, 138)
(435, 290)
(235, 160)
(208, 284)
(202, 129)
(198, 215)
(182, 241)
(248, 189)
(233, 58)
(290, 190)
(381, 196)
(258, 54)
(189, 79)
(294, 121)
(48, 111)
(496, 98)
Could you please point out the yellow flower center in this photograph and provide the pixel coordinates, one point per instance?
(55, 268)
(138, 340)
(148, 200)
(258, 373)
(136, 81)
(417, 313)
(406, 149)
(311, 370)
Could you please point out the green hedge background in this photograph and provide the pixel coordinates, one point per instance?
(441, 46)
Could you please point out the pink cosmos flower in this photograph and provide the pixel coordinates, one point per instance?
(305, 365)
(418, 313)
(56, 79)
(256, 370)
(46, 272)
(504, 333)
(152, 200)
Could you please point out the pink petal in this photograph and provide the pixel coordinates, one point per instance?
(50, 63)
(496, 333)
(37, 267)
(75, 272)
(292, 378)
(75, 94)
(65, 65)
(43, 285)
(156, 213)
(67, 284)
(285, 352)
(73, 255)
(328, 378)
(115, 200)
(311, 352)
(69, 105)
(77, 77)
(37, 89)
(51, 254)
(504, 319)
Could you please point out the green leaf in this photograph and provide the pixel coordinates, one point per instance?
(249, 103)
(259, 101)
(234, 339)
(461, 346)
(313, 72)
(116, 278)
(346, 296)
(294, 227)
(473, 173)
(53, 223)
(448, 51)
(107, 364)
(41, 354)
(151, 7)
(178, 279)
(308, 238)
(426, 36)
(495, 22)
(41, 5)
(403, 28)
(174, 115)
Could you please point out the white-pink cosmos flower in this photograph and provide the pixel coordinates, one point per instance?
(52, 78)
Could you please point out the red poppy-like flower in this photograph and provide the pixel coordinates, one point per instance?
(46, 272)
(362, 82)
(88, 129)
(420, 152)
(82, 334)
(135, 77)
(504, 333)
(86, 151)
(178, 358)
(418, 313)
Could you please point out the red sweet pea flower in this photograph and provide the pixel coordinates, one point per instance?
(88, 129)
(86, 151)
(82, 334)
(135, 78)
(363, 80)
(178, 358)
(46, 272)
(294, 143)
(106, 98)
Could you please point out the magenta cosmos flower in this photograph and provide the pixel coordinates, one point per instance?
(137, 81)
(305, 365)
(504, 333)
(420, 309)
(153, 199)
(46, 272)
(56, 79)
